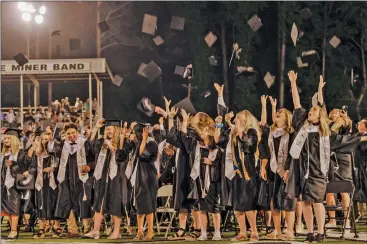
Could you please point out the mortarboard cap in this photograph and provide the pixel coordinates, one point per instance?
(269, 79)
(255, 23)
(103, 26)
(13, 132)
(314, 100)
(206, 94)
(213, 61)
(149, 24)
(21, 59)
(178, 23)
(141, 68)
(158, 40)
(300, 64)
(310, 57)
(179, 70)
(186, 104)
(152, 71)
(56, 33)
(117, 80)
(294, 33)
(111, 122)
(39, 131)
(145, 106)
(210, 39)
(334, 41)
(245, 69)
(305, 13)
(188, 72)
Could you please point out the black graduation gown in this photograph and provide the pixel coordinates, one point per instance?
(11, 198)
(313, 188)
(146, 185)
(71, 192)
(106, 190)
(360, 159)
(244, 191)
(181, 173)
(341, 162)
(281, 201)
(45, 199)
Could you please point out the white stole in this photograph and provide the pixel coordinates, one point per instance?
(277, 164)
(100, 162)
(9, 179)
(230, 173)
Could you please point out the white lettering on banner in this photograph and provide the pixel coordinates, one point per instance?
(57, 66)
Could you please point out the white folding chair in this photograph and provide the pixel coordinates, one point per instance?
(165, 191)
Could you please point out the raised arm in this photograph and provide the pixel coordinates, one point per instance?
(320, 95)
(221, 106)
(296, 100)
(264, 117)
(218, 128)
(273, 108)
(99, 125)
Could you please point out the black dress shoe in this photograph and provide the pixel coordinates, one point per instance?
(310, 238)
(320, 237)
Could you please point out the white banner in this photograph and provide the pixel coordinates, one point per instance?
(54, 66)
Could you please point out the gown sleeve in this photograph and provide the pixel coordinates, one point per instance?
(150, 152)
(298, 118)
(264, 150)
(216, 167)
(223, 138)
(249, 141)
(32, 164)
(344, 144)
(173, 137)
(188, 142)
(90, 154)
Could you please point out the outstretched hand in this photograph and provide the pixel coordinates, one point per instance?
(321, 82)
(273, 101)
(167, 104)
(292, 76)
(185, 115)
(219, 89)
(263, 100)
(173, 112)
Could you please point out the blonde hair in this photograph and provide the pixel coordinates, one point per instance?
(324, 129)
(14, 147)
(200, 121)
(289, 129)
(115, 136)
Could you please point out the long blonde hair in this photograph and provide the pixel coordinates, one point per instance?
(14, 147)
(324, 129)
(289, 129)
(200, 121)
(115, 136)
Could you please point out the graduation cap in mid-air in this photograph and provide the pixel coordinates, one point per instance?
(210, 39)
(269, 79)
(179, 70)
(55, 33)
(334, 41)
(178, 23)
(21, 59)
(187, 105)
(149, 24)
(117, 80)
(158, 40)
(305, 13)
(255, 23)
(145, 106)
(152, 71)
(103, 26)
(310, 57)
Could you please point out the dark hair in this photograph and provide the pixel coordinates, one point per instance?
(70, 126)
(138, 129)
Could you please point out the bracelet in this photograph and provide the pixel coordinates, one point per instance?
(219, 125)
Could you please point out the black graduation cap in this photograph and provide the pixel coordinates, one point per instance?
(56, 33)
(305, 13)
(152, 71)
(146, 106)
(186, 104)
(178, 23)
(206, 93)
(179, 70)
(39, 131)
(310, 57)
(103, 26)
(13, 132)
(111, 122)
(21, 59)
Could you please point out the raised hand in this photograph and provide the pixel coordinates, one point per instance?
(173, 112)
(228, 117)
(219, 89)
(145, 133)
(273, 101)
(100, 123)
(263, 100)
(185, 116)
(167, 104)
(292, 76)
(161, 120)
(219, 119)
(321, 82)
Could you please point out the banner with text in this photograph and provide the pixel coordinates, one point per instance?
(54, 66)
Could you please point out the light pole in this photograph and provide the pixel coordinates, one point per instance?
(29, 13)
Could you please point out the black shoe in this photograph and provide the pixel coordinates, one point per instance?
(310, 238)
(320, 237)
(29, 228)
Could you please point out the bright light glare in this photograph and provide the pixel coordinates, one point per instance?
(26, 17)
(22, 6)
(42, 10)
(31, 9)
(38, 19)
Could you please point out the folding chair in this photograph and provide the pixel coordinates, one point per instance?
(165, 191)
(341, 186)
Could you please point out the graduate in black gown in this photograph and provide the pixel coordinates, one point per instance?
(341, 164)
(205, 173)
(13, 161)
(144, 179)
(77, 159)
(311, 150)
(107, 197)
(45, 184)
(244, 143)
(274, 152)
(360, 159)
